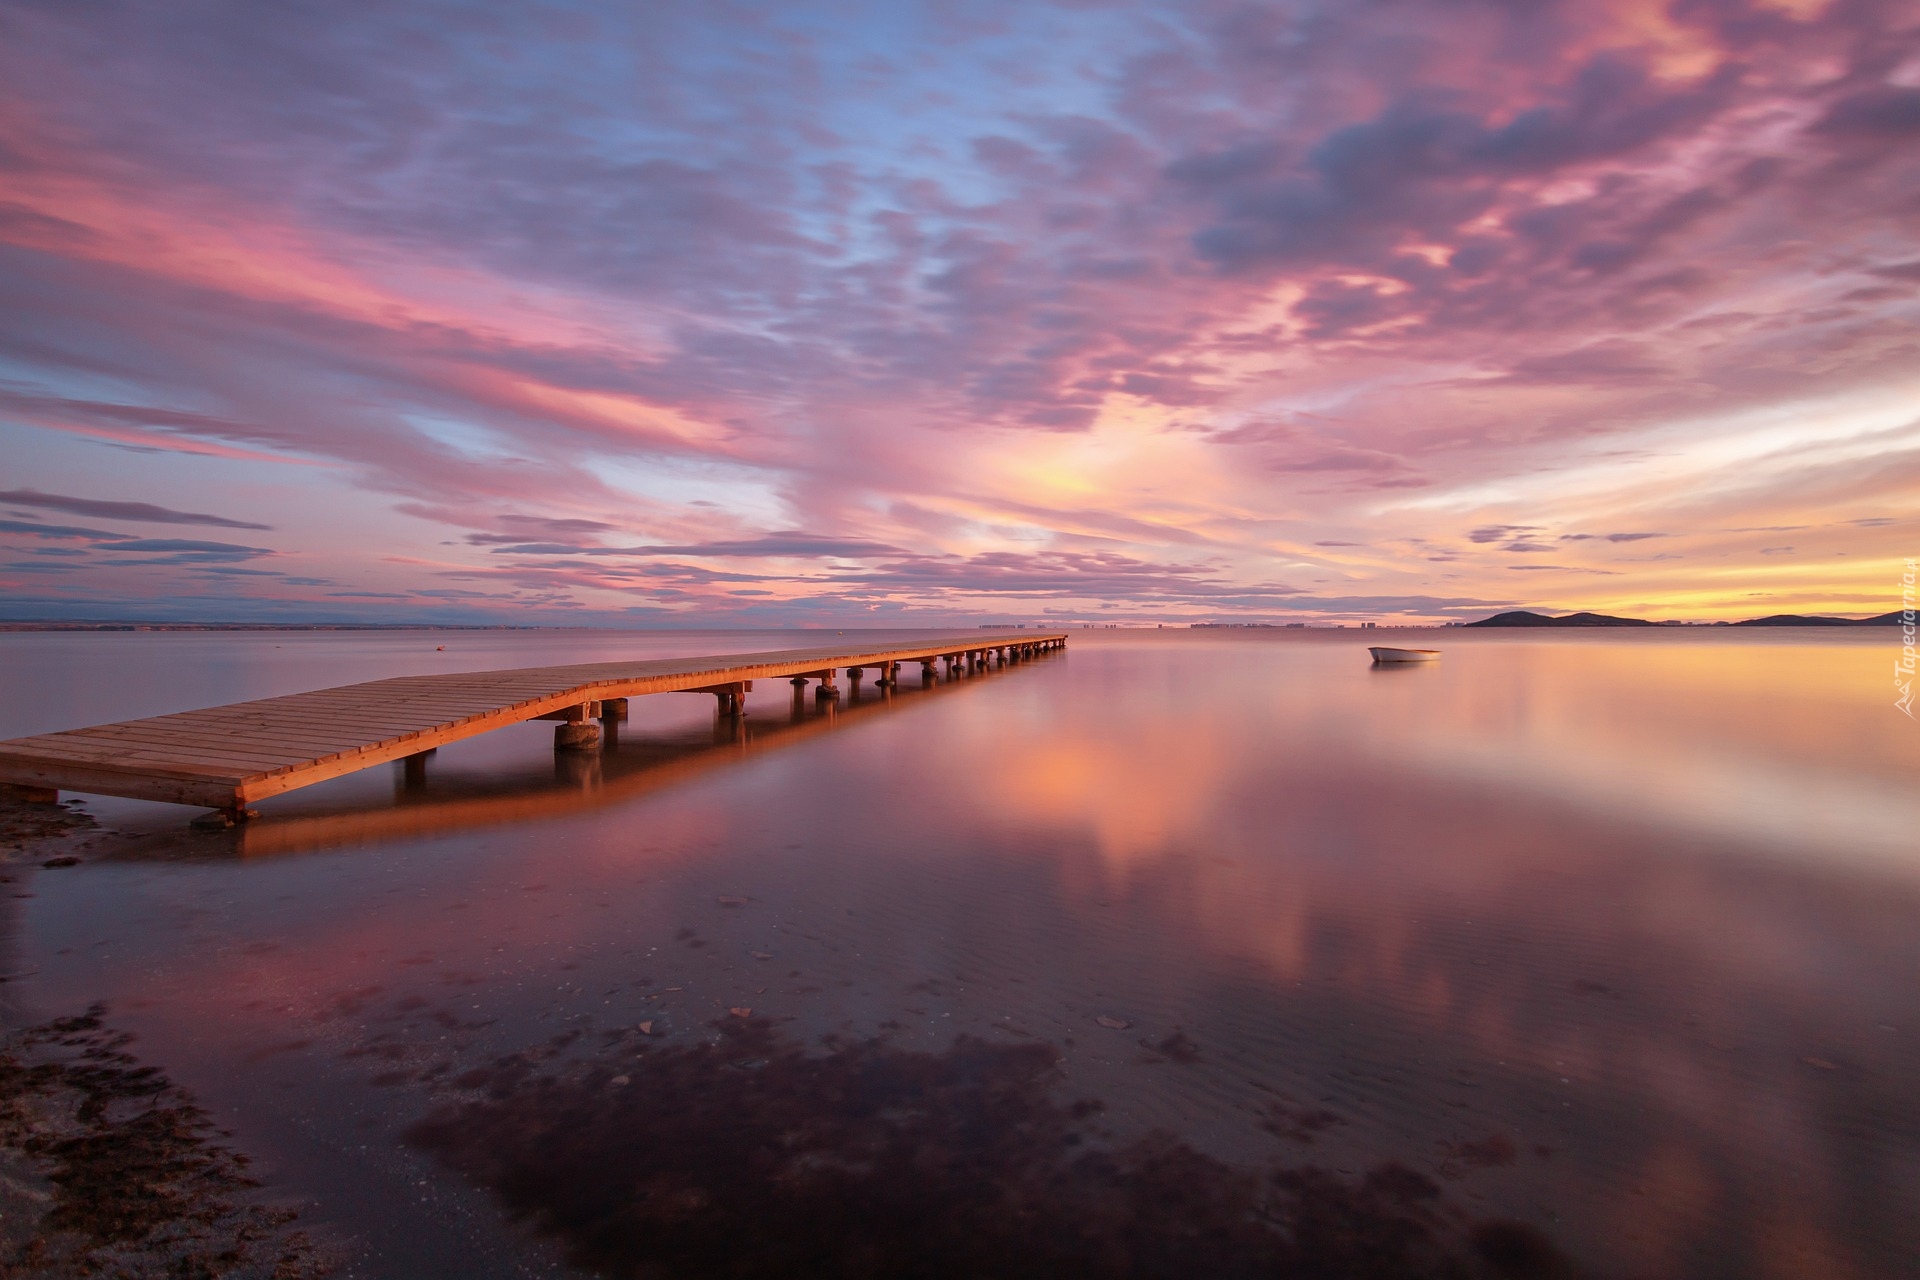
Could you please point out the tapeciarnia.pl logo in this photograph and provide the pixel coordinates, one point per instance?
(1903, 665)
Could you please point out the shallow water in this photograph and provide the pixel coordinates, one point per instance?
(1609, 936)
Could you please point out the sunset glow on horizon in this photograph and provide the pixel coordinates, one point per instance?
(917, 314)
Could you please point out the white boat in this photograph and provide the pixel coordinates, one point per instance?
(1383, 654)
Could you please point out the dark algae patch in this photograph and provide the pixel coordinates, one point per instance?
(744, 1155)
(110, 1170)
(25, 828)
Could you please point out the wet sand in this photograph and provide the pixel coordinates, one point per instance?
(1173, 955)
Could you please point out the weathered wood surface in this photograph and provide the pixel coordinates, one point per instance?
(227, 757)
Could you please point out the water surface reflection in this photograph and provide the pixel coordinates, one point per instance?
(1606, 944)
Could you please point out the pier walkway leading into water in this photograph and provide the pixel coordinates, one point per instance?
(224, 758)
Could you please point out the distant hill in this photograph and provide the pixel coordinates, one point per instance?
(1522, 618)
(1814, 620)
(1525, 618)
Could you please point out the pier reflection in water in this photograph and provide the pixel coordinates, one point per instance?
(1590, 953)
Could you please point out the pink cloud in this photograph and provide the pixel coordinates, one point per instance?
(1258, 278)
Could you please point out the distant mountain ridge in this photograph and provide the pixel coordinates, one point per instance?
(1815, 620)
(1527, 618)
(1523, 618)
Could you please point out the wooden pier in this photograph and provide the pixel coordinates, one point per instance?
(225, 758)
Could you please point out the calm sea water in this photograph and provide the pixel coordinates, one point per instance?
(1577, 954)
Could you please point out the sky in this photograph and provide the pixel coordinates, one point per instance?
(898, 313)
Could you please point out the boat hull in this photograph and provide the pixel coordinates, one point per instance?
(1383, 654)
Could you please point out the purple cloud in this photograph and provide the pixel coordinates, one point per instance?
(602, 285)
(142, 512)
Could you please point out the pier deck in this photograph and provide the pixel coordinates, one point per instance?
(227, 757)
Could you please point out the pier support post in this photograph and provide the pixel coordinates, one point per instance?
(926, 670)
(577, 732)
(730, 697)
(224, 819)
(826, 692)
(576, 735)
(413, 769)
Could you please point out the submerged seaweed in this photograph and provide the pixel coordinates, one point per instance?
(744, 1155)
(113, 1171)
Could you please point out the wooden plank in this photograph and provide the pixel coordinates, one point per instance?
(340, 736)
(349, 727)
(246, 738)
(230, 754)
(114, 760)
(148, 738)
(346, 728)
(143, 755)
(200, 763)
(136, 732)
(373, 694)
(308, 709)
(367, 721)
(69, 775)
(186, 762)
(384, 695)
(226, 761)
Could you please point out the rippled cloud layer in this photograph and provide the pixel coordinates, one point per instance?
(780, 313)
